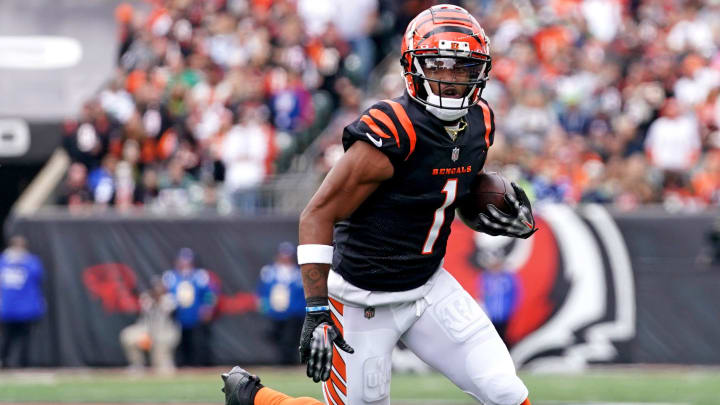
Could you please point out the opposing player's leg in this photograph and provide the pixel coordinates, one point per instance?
(243, 388)
(363, 377)
(454, 336)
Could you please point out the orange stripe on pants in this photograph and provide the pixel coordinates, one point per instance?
(337, 323)
(339, 364)
(338, 383)
(333, 394)
(336, 305)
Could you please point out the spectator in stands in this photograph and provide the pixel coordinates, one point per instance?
(573, 119)
(101, 181)
(354, 22)
(195, 301)
(155, 331)
(22, 302)
(147, 191)
(673, 142)
(74, 192)
(530, 120)
(247, 152)
(329, 149)
(692, 31)
(124, 186)
(290, 103)
(601, 70)
(87, 140)
(673, 146)
(282, 300)
(176, 187)
(706, 182)
(117, 102)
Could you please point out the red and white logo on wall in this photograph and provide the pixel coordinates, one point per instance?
(577, 294)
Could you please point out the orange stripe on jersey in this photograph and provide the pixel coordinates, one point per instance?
(486, 116)
(337, 305)
(339, 364)
(385, 119)
(406, 124)
(373, 126)
(338, 383)
(337, 322)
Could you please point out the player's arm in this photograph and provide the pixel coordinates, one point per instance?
(357, 175)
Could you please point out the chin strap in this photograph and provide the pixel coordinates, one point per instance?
(446, 114)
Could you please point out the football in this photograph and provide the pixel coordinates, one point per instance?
(487, 188)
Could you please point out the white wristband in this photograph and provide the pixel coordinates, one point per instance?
(314, 254)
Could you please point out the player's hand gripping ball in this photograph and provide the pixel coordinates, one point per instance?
(319, 333)
(497, 207)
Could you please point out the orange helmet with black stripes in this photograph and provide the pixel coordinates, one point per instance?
(446, 60)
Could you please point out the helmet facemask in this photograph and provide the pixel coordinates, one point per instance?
(448, 82)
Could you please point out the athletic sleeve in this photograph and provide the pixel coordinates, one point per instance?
(380, 127)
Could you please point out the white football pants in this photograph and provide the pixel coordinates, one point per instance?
(439, 321)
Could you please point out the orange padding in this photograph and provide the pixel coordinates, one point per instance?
(268, 396)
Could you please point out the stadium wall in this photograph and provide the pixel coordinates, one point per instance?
(596, 286)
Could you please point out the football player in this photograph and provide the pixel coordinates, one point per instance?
(387, 206)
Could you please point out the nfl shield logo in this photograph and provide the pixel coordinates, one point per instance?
(369, 312)
(455, 154)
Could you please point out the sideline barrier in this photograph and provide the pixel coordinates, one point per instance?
(623, 288)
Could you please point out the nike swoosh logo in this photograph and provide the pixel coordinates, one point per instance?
(377, 142)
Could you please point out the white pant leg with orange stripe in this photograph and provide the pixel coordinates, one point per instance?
(439, 321)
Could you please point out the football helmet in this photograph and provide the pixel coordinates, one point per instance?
(446, 60)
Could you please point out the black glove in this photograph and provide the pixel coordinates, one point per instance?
(519, 224)
(318, 334)
(240, 387)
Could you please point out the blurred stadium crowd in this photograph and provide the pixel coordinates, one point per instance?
(611, 101)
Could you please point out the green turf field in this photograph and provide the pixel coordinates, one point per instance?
(697, 387)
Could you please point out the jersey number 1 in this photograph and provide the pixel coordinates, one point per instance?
(450, 191)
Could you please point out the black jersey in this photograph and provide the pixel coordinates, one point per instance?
(396, 239)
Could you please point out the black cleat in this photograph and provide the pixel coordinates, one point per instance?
(240, 387)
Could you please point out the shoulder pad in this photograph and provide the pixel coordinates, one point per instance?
(385, 125)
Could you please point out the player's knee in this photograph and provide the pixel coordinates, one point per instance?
(503, 389)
